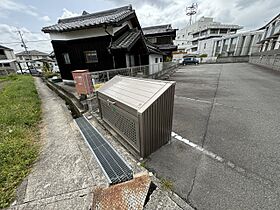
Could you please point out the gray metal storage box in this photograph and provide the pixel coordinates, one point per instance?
(139, 110)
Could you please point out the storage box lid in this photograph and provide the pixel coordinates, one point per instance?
(136, 93)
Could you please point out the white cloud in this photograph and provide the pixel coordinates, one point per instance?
(8, 6)
(46, 18)
(67, 14)
(249, 13)
(35, 41)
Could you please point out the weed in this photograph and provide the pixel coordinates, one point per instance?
(166, 184)
(19, 133)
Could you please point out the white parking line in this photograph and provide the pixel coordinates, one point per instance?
(199, 148)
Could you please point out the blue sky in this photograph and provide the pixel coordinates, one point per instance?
(31, 15)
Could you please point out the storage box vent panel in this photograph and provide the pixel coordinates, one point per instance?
(124, 124)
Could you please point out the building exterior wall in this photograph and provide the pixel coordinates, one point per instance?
(269, 59)
(269, 53)
(10, 54)
(76, 48)
(188, 39)
(241, 44)
(271, 35)
(8, 62)
(206, 47)
(162, 36)
(25, 58)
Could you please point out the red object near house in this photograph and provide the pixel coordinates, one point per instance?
(83, 82)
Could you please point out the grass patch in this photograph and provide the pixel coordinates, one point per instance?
(19, 133)
(143, 164)
(166, 184)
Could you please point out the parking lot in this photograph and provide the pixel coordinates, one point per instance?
(231, 111)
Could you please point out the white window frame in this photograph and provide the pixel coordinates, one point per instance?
(66, 58)
(91, 56)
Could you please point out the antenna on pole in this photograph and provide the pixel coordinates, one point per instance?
(191, 10)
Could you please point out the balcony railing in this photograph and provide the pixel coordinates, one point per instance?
(3, 57)
(148, 71)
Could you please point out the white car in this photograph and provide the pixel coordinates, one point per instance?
(24, 71)
(181, 60)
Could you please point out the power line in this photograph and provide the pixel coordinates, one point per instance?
(19, 42)
(42, 40)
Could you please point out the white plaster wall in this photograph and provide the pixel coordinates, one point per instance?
(153, 66)
(80, 34)
(10, 54)
(208, 49)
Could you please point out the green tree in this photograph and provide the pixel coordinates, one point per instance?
(46, 67)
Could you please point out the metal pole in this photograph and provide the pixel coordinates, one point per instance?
(20, 67)
(108, 76)
(26, 51)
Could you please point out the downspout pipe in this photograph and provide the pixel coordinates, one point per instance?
(110, 45)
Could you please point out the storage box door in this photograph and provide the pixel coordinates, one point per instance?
(123, 122)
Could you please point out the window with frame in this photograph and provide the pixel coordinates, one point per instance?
(156, 60)
(160, 59)
(91, 56)
(66, 58)
(223, 31)
(152, 39)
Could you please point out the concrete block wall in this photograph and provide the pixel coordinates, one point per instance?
(269, 59)
(233, 59)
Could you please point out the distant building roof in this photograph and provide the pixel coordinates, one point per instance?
(167, 47)
(158, 29)
(32, 52)
(5, 48)
(277, 16)
(113, 16)
(153, 49)
(127, 40)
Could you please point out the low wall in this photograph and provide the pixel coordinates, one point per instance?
(233, 59)
(77, 108)
(268, 59)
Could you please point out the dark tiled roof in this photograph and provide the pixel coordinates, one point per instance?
(167, 47)
(153, 49)
(5, 48)
(127, 40)
(158, 29)
(111, 17)
(32, 52)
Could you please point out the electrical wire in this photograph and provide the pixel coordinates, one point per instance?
(40, 40)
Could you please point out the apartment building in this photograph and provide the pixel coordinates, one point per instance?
(188, 39)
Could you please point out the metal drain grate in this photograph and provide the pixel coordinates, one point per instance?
(113, 166)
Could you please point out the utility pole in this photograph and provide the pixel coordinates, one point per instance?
(26, 51)
(191, 10)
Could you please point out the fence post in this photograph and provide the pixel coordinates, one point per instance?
(108, 76)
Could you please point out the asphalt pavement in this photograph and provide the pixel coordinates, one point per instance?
(231, 110)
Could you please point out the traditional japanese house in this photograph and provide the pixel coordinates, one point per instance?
(100, 41)
(162, 36)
